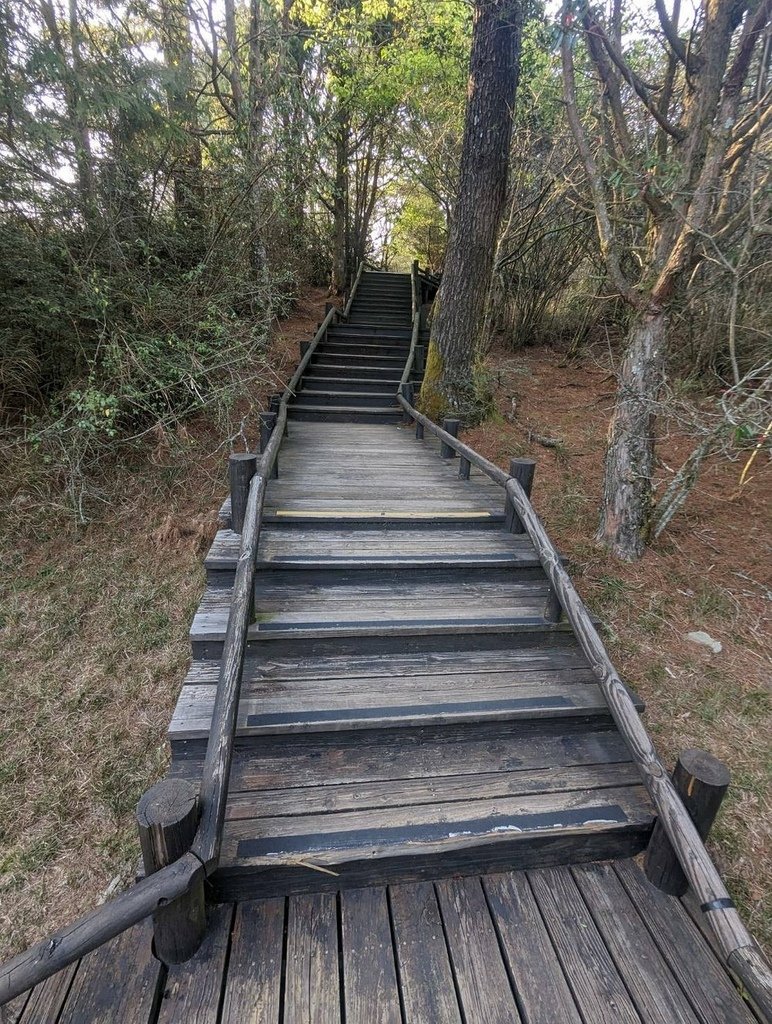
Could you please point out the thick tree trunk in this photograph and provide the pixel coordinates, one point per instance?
(627, 487)
(460, 311)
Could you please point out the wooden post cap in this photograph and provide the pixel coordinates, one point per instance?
(167, 817)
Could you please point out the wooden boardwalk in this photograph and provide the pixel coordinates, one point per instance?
(406, 707)
(594, 944)
(431, 813)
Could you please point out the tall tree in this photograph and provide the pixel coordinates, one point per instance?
(674, 151)
(460, 311)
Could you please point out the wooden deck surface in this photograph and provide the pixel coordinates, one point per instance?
(591, 944)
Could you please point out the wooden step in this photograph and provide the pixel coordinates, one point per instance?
(360, 358)
(357, 331)
(380, 603)
(370, 370)
(540, 691)
(362, 399)
(345, 414)
(349, 349)
(371, 548)
(405, 804)
(313, 383)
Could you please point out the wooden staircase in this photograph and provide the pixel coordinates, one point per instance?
(407, 710)
(355, 372)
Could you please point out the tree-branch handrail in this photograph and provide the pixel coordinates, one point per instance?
(738, 948)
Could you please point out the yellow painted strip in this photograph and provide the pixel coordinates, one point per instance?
(351, 514)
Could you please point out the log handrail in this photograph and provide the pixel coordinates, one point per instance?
(738, 948)
(103, 923)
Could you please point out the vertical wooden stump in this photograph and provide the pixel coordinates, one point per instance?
(267, 425)
(275, 403)
(450, 425)
(464, 467)
(167, 818)
(409, 395)
(702, 781)
(522, 470)
(242, 466)
(304, 347)
(419, 431)
(553, 609)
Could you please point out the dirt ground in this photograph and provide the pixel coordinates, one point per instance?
(93, 649)
(710, 570)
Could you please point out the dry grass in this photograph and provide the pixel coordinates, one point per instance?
(93, 648)
(709, 571)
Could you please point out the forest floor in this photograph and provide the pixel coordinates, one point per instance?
(94, 633)
(93, 649)
(709, 571)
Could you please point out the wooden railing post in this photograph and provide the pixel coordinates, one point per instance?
(701, 781)
(267, 424)
(522, 470)
(420, 358)
(167, 819)
(464, 467)
(242, 466)
(409, 396)
(419, 431)
(304, 346)
(450, 425)
(553, 609)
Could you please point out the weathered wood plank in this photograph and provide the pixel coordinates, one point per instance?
(542, 990)
(481, 977)
(120, 981)
(425, 974)
(253, 987)
(597, 988)
(312, 985)
(703, 980)
(432, 829)
(47, 999)
(656, 993)
(432, 790)
(369, 975)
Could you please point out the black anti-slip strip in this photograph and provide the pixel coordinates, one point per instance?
(432, 832)
(722, 904)
(395, 710)
(289, 627)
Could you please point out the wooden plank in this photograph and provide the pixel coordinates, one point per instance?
(369, 975)
(285, 764)
(649, 981)
(306, 712)
(542, 990)
(556, 651)
(312, 984)
(704, 981)
(481, 977)
(47, 999)
(120, 981)
(403, 793)
(253, 986)
(597, 987)
(432, 829)
(10, 1013)
(425, 974)
(193, 991)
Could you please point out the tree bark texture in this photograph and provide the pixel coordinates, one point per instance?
(460, 311)
(627, 487)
